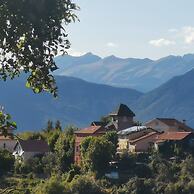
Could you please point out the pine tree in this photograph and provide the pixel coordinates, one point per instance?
(58, 125)
(49, 126)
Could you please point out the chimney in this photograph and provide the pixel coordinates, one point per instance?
(184, 121)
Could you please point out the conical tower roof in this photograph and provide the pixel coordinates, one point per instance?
(123, 110)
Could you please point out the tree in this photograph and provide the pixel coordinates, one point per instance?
(6, 161)
(136, 186)
(96, 154)
(113, 138)
(52, 138)
(6, 123)
(58, 125)
(31, 35)
(126, 161)
(64, 149)
(49, 163)
(49, 126)
(85, 184)
(31, 135)
(54, 185)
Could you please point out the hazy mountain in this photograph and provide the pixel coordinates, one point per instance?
(71, 61)
(79, 102)
(140, 74)
(173, 99)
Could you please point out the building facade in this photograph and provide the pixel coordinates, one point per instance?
(168, 125)
(119, 119)
(122, 117)
(93, 131)
(136, 139)
(7, 143)
(186, 139)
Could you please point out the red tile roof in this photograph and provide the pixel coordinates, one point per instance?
(173, 135)
(174, 122)
(91, 130)
(143, 137)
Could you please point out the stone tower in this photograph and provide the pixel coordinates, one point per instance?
(122, 117)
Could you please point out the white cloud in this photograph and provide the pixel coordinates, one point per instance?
(188, 33)
(161, 42)
(111, 44)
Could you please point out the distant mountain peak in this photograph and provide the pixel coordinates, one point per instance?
(88, 54)
(139, 73)
(112, 58)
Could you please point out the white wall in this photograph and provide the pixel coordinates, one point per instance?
(7, 144)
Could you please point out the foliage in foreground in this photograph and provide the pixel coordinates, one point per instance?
(31, 35)
(162, 172)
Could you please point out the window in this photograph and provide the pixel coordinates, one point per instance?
(4, 145)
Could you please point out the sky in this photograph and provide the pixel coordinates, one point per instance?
(133, 28)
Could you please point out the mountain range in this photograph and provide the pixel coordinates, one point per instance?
(140, 74)
(173, 99)
(79, 102)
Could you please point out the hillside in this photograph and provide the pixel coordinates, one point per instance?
(141, 74)
(173, 99)
(79, 102)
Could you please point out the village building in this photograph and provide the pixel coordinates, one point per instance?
(122, 117)
(25, 149)
(93, 131)
(136, 139)
(184, 138)
(7, 141)
(142, 144)
(168, 125)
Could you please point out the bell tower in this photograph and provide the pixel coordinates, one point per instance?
(123, 117)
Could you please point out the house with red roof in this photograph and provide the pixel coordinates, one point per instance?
(184, 138)
(136, 139)
(121, 118)
(143, 143)
(93, 130)
(168, 125)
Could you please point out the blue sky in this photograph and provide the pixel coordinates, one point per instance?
(133, 28)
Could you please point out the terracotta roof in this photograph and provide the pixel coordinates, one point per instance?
(175, 122)
(143, 137)
(90, 130)
(173, 135)
(34, 145)
(123, 110)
